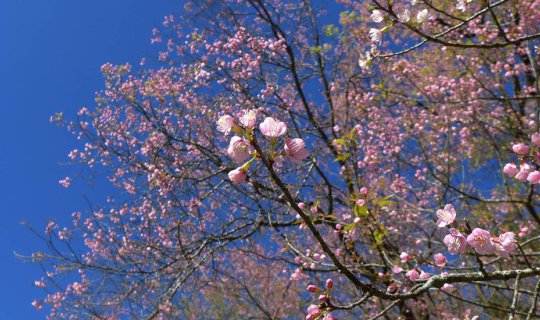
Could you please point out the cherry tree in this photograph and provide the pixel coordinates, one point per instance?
(310, 159)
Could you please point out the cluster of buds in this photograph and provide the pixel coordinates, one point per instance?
(241, 146)
(527, 171)
(321, 311)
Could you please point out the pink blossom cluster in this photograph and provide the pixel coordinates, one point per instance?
(480, 240)
(526, 171)
(241, 147)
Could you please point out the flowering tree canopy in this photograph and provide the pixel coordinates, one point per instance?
(309, 159)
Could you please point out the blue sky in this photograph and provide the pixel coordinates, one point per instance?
(50, 55)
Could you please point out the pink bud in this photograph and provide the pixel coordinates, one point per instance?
(447, 287)
(424, 275)
(524, 171)
(392, 288)
(535, 139)
(329, 284)
(295, 149)
(238, 176)
(312, 288)
(360, 202)
(534, 177)
(323, 297)
(364, 190)
(440, 260)
(404, 256)
(510, 169)
(520, 148)
(313, 310)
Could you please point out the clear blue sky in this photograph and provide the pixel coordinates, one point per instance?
(50, 55)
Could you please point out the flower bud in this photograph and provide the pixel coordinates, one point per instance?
(312, 288)
(329, 284)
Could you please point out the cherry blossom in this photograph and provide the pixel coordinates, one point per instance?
(272, 128)
(440, 260)
(505, 244)
(225, 124)
(248, 118)
(446, 216)
(510, 169)
(456, 242)
(239, 149)
(520, 149)
(377, 16)
(295, 149)
(481, 241)
(238, 176)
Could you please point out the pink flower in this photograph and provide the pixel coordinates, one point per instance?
(329, 317)
(413, 275)
(225, 124)
(524, 171)
(446, 216)
(535, 139)
(404, 256)
(422, 16)
(239, 149)
(364, 190)
(65, 182)
(404, 16)
(313, 310)
(273, 128)
(521, 149)
(480, 240)
(37, 305)
(424, 275)
(375, 35)
(238, 176)
(392, 288)
(510, 169)
(396, 269)
(377, 16)
(505, 244)
(248, 118)
(440, 260)
(534, 177)
(456, 242)
(360, 202)
(447, 287)
(295, 149)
